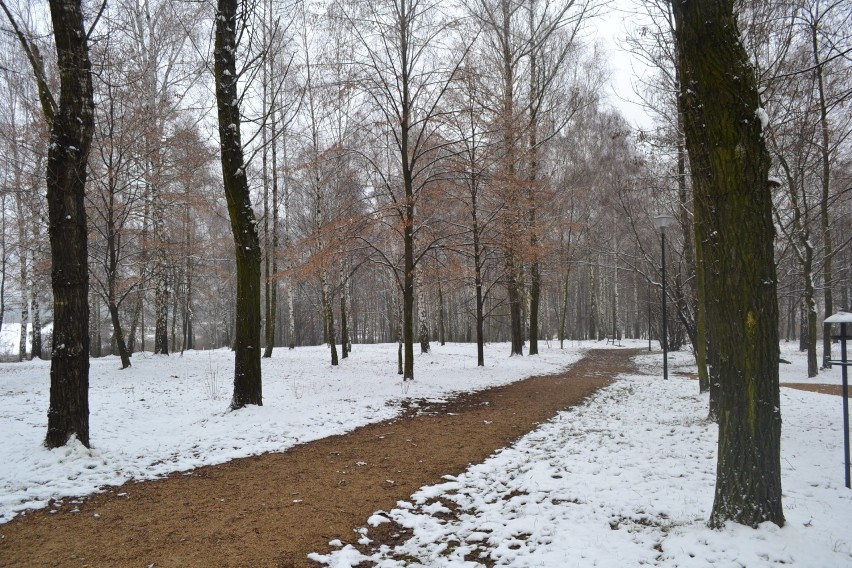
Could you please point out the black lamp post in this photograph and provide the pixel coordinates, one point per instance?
(845, 321)
(649, 315)
(662, 222)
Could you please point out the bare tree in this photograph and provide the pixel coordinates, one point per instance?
(407, 69)
(247, 373)
(71, 120)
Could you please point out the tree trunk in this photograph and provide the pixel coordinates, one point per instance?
(441, 315)
(477, 280)
(188, 332)
(291, 322)
(563, 312)
(71, 131)
(824, 205)
(692, 260)
(514, 296)
(291, 312)
(247, 373)
(593, 304)
(399, 339)
(25, 281)
(175, 295)
(271, 252)
(701, 338)
(269, 323)
(345, 346)
(134, 322)
(535, 269)
(95, 327)
(118, 335)
(730, 166)
(422, 323)
(161, 282)
(535, 301)
(3, 260)
(328, 316)
(344, 327)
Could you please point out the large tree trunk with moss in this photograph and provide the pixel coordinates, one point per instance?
(247, 377)
(730, 166)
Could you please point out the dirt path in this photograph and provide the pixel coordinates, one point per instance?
(822, 388)
(272, 510)
(836, 390)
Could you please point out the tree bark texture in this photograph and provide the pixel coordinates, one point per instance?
(730, 166)
(824, 206)
(701, 338)
(422, 323)
(71, 132)
(25, 279)
(247, 374)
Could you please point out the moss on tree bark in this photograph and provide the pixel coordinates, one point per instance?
(730, 165)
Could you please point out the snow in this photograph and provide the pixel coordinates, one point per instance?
(839, 317)
(762, 116)
(623, 480)
(627, 480)
(167, 414)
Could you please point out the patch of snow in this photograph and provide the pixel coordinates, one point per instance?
(164, 414)
(628, 479)
(761, 115)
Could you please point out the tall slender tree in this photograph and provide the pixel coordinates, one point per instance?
(247, 373)
(409, 65)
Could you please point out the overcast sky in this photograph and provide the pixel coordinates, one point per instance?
(611, 28)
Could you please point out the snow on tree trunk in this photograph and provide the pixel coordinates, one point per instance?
(71, 127)
(247, 371)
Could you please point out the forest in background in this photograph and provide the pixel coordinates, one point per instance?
(483, 141)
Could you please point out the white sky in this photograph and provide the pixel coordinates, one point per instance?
(610, 29)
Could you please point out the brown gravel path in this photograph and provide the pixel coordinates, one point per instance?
(272, 510)
(836, 390)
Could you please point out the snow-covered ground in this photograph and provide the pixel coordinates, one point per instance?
(624, 480)
(167, 414)
(627, 480)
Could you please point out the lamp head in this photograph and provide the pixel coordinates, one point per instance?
(662, 222)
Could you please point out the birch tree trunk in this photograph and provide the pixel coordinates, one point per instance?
(422, 319)
(23, 255)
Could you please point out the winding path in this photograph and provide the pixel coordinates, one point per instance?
(272, 510)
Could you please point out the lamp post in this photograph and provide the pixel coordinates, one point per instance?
(844, 319)
(661, 223)
(649, 315)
